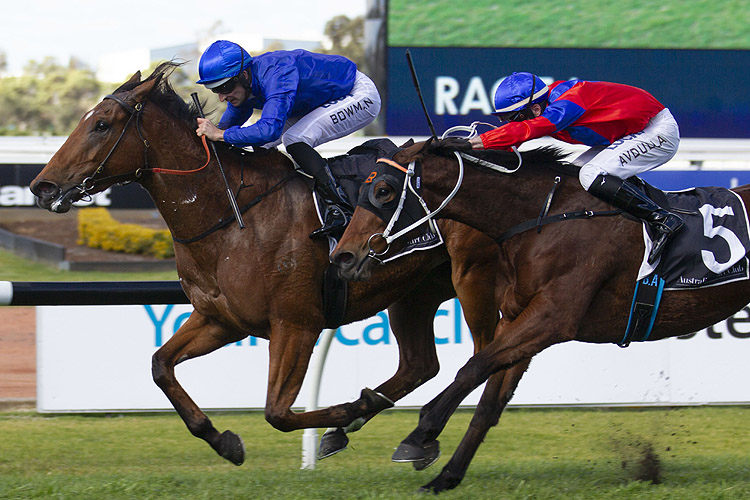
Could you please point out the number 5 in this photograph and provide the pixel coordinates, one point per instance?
(737, 251)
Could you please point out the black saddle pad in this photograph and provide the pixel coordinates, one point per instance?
(712, 245)
(353, 168)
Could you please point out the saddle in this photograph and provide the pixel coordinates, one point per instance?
(351, 169)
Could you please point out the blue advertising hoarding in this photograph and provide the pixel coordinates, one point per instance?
(704, 89)
(677, 180)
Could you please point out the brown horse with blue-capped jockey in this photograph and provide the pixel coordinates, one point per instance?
(265, 280)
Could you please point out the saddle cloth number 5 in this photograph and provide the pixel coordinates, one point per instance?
(736, 249)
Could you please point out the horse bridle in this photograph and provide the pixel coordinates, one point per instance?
(430, 215)
(407, 186)
(90, 182)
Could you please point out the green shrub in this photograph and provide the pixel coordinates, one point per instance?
(98, 229)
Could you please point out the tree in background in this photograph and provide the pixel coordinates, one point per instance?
(47, 99)
(347, 37)
(50, 99)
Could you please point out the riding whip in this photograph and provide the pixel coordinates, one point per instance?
(230, 194)
(419, 92)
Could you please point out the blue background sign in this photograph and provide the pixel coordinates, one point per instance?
(704, 89)
(676, 180)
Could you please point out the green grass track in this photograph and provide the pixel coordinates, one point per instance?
(703, 453)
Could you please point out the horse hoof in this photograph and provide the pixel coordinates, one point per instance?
(440, 484)
(332, 442)
(231, 447)
(431, 455)
(408, 453)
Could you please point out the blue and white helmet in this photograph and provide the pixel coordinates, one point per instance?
(514, 92)
(221, 61)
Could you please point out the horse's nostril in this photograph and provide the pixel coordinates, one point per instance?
(342, 258)
(45, 189)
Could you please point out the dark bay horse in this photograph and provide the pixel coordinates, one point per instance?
(574, 280)
(265, 280)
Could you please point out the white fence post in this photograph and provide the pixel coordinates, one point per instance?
(315, 371)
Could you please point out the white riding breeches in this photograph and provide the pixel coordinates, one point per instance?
(335, 119)
(635, 153)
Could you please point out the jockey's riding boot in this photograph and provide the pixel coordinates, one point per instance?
(626, 196)
(339, 210)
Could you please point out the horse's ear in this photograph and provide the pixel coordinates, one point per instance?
(425, 145)
(141, 92)
(135, 78)
(407, 144)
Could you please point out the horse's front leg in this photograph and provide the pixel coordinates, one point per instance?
(496, 396)
(538, 327)
(199, 335)
(412, 322)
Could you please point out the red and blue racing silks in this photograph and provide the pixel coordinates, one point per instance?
(581, 112)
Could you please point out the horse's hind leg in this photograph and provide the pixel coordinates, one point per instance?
(198, 336)
(497, 393)
(412, 323)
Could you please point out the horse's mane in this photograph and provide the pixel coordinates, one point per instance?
(164, 94)
(549, 157)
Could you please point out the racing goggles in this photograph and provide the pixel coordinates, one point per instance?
(226, 87)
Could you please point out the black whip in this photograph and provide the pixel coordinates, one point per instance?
(230, 194)
(419, 92)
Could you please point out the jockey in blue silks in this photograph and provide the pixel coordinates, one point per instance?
(306, 99)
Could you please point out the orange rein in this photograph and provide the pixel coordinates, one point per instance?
(391, 163)
(187, 172)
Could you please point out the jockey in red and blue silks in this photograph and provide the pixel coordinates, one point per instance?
(306, 99)
(629, 132)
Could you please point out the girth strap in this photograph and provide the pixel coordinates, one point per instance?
(538, 222)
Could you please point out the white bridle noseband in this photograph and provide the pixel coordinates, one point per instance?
(430, 215)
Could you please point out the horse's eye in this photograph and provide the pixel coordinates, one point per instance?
(383, 192)
(101, 126)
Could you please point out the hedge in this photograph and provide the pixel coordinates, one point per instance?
(98, 229)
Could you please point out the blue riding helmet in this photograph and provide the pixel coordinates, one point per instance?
(514, 91)
(221, 61)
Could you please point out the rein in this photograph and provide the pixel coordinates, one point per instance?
(389, 238)
(430, 215)
(136, 111)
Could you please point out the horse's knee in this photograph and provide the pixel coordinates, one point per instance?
(279, 419)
